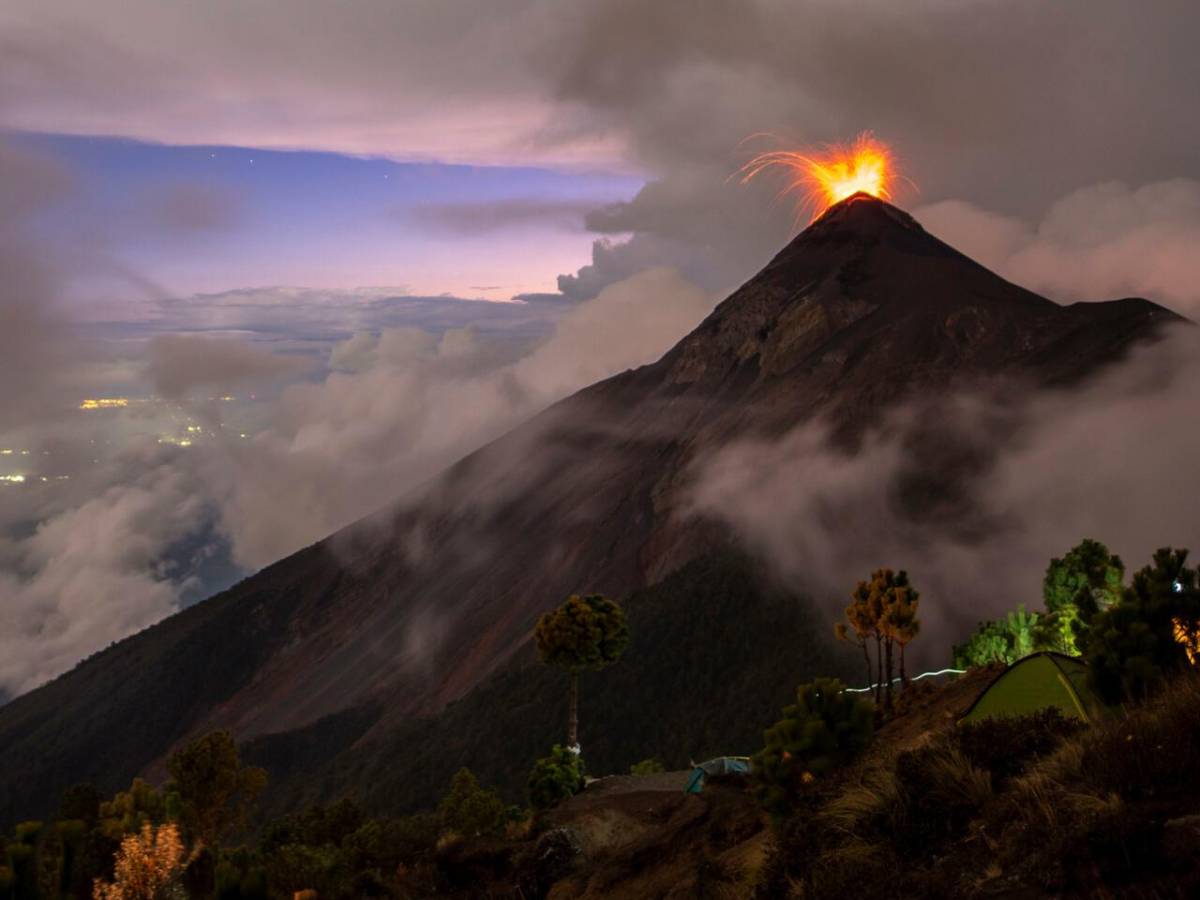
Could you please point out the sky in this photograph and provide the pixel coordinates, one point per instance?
(388, 231)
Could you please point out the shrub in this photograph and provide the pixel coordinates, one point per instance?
(824, 729)
(469, 809)
(555, 778)
(149, 866)
(940, 791)
(385, 843)
(1007, 745)
(647, 767)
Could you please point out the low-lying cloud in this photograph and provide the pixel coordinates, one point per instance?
(123, 543)
(179, 364)
(1113, 460)
(403, 404)
(95, 572)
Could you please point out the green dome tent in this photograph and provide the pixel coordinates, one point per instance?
(1036, 682)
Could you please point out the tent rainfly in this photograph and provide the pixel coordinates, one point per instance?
(722, 765)
(1036, 682)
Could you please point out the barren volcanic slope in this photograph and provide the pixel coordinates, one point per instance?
(415, 606)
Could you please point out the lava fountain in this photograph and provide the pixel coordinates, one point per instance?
(837, 171)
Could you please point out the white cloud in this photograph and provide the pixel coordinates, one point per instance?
(1105, 241)
(1111, 461)
(402, 405)
(96, 572)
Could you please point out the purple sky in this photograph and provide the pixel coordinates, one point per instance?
(210, 219)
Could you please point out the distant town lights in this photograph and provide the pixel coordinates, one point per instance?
(105, 403)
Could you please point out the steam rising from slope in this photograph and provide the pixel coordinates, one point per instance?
(1016, 483)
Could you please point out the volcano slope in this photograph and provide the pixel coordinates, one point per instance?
(404, 612)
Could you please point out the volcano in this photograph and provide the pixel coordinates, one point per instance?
(407, 614)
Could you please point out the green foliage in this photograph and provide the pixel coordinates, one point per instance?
(1135, 644)
(217, 792)
(584, 633)
(336, 850)
(555, 778)
(469, 809)
(128, 811)
(299, 867)
(240, 880)
(27, 832)
(649, 766)
(382, 844)
(587, 632)
(1084, 582)
(824, 729)
(1075, 589)
(1003, 641)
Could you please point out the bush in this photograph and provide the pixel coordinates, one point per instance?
(555, 778)
(826, 728)
(647, 767)
(940, 791)
(386, 843)
(471, 810)
(1008, 745)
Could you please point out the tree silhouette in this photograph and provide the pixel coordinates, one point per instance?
(900, 620)
(1134, 644)
(216, 790)
(884, 608)
(862, 623)
(586, 632)
(1083, 583)
(824, 729)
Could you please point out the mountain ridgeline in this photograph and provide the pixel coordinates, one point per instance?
(337, 663)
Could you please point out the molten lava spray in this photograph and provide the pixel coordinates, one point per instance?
(821, 179)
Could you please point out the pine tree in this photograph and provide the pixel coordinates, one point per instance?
(824, 729)
(1134, 644)
(858, 616)
(900, 620)
(1086, 581)
(584, 633)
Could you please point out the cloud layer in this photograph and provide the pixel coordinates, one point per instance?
(1112, 461)
(128, 538)
(1105, 241)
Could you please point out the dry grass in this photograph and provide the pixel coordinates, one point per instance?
(874, 797)
(1081, 811)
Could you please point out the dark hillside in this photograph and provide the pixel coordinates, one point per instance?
(714, 655)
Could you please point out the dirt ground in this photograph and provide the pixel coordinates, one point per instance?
(640, 837)
(643, 837)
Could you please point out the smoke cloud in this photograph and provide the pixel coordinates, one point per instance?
(403, 404)
(1018, 482)
(1109, 240)
(179, 364)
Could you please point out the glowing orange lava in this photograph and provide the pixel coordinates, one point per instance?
(838, 171)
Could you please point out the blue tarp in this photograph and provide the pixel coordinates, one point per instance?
(722, 765)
